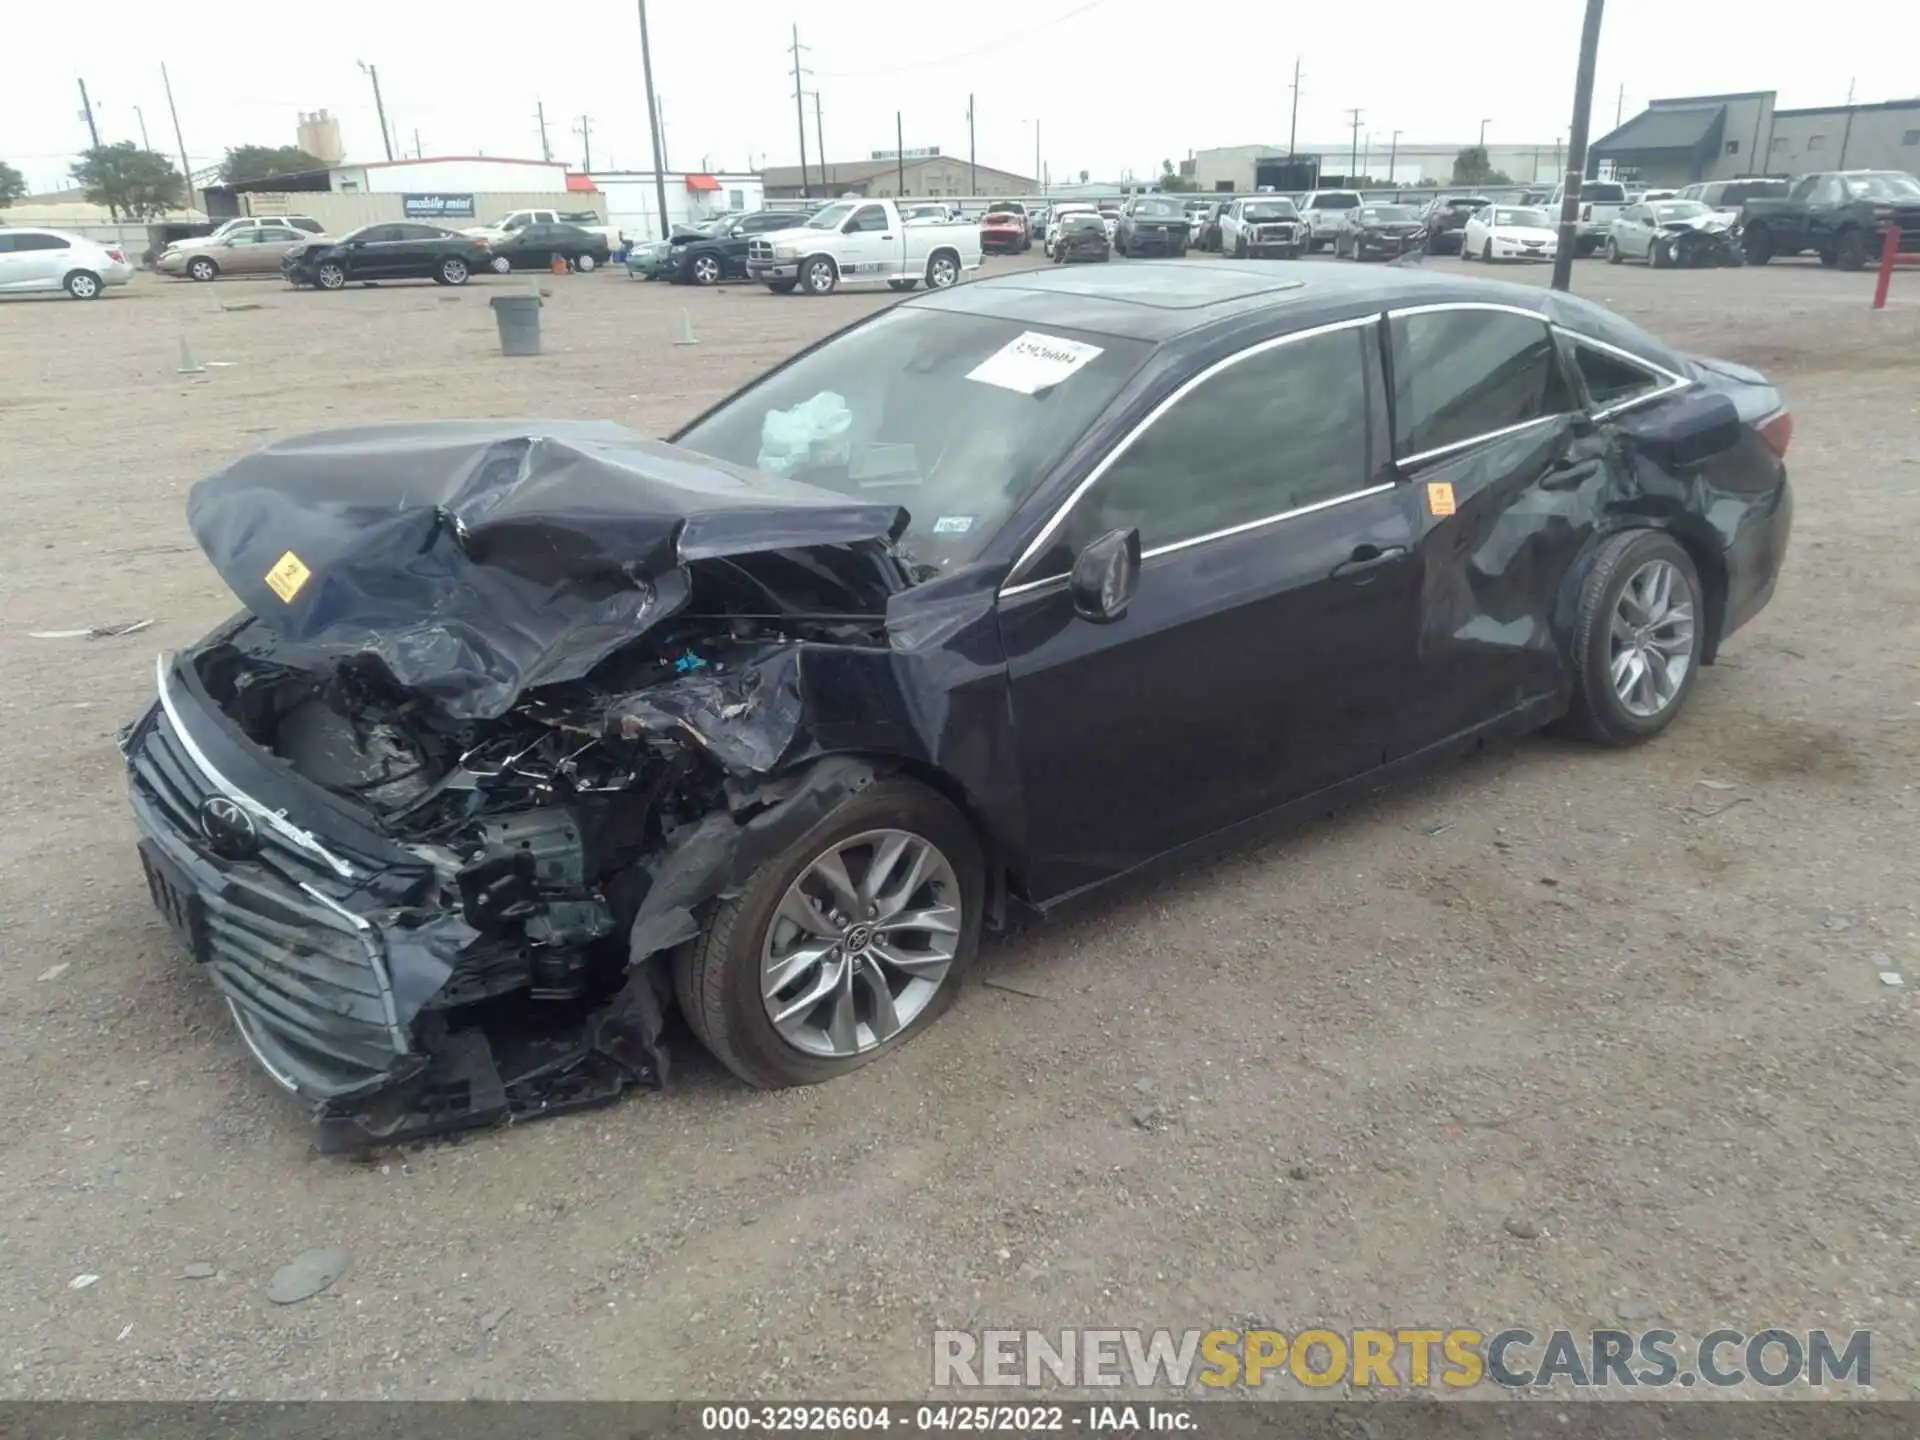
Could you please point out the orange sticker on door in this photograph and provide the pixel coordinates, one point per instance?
(1440, 497)
(288, 575)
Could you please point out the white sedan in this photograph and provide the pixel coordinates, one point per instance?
(1505, 232)
(35, 259)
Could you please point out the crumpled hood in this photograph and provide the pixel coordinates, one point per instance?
(474, 559)
(1713, 221)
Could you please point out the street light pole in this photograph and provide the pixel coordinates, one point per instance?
(1577, 147)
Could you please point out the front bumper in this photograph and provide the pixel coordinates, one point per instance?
(1509, 251)
(1156, 242)
(1378, 247)
(337, 952)
(773, 270)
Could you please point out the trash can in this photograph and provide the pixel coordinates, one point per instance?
(518, 317)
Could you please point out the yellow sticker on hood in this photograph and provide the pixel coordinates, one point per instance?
(288, 575)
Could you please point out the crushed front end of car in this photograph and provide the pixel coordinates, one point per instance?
(506, 704)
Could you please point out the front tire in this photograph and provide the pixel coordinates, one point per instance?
(331, 275)
(1614, 257)
(820, 276)
(705, 270)
(782, 287)
(202, 268)
(848, 943)
(1638, 639)
(1850, 251)
(82, 285)
(1486, 253)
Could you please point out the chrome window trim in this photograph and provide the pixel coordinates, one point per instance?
(1039, 542)
(1673, 383)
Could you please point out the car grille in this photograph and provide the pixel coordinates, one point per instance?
(1276, 234)
(760, 250)
(306, 980)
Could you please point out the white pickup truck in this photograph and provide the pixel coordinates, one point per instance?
(587, 220)
(860, 241)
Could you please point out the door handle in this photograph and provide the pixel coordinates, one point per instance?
(886, 237)
(1366, 559)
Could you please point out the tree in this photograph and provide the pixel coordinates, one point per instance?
(261, 162)
(1471, 167)
(125, 178)
(1171, 182)
(13, 185)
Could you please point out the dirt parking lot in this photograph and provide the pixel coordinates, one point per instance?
(1627, 1004)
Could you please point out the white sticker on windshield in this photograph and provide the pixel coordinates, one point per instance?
(1032, 362)
(953, 525)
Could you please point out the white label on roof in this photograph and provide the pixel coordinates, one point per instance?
(1032, 362)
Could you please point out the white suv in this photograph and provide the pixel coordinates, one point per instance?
(34, 259)
(1328, 212)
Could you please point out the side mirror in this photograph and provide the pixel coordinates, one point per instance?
(1104, 577)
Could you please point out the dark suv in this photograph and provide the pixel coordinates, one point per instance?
(721, 253)
(1152, 225)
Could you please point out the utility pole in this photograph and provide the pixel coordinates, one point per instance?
(653, 125)
(1847, 134)
(660, 119)
(585, 131)
(1293, 125)
(973, 165)
(1039, 171)
(379, 105)
(186, 171)
(1619, 106)
(540, 114)
(1353, 160)
(819, 133)
(418, 153)
(86, 114)
(144, 144)
(1577, 147)
(800, 118)
(899, 156)
(1483, 134)
(1393, 156)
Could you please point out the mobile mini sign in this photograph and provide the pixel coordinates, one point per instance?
(437, 207)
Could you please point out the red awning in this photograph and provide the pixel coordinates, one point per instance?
(701, 184)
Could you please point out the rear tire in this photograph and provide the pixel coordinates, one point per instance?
(82, 285)
(1757, 245)
(717, 978)
(584, 263)
(943, 271)
(451, 271)
(1598, 712)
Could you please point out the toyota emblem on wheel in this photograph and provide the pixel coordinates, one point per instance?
(228, 828)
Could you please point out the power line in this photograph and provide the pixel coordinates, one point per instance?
(965, 54)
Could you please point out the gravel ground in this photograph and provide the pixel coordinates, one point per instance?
(1628, 1002)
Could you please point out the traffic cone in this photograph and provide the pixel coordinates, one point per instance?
(189, 365)
(686, 330)
(559, 265)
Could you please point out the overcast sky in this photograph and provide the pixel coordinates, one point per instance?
(1113, 84)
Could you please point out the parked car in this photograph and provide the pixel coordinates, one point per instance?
(1839, 215)
(1151, 225)
(32, 258)
(1003, 230)
(858, 242)
(1600, 201)
(513, 220)
(1381, 232)
(240, 225)
(730, 728)
(1082, 236)
(927, 210)
(536, 247)
(245, 250)
(1446, 221)
(1728, 197)
(1110, 217)
(1509, 232)
(721, 252)
(1261, 226)
(1060, 213)
(1672, 232)
(407, 250)
(1534, 198)
(1207, 235)
(1327, 213)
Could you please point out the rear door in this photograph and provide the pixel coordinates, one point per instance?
(1488, 433)
(417, 249)
(1269, 643)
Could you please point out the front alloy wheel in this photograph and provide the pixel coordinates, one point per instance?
(706, 270)
(821, 277)
(331, 276)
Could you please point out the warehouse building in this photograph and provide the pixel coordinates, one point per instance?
(1244, 169)
(1722, 137)
(929, 174)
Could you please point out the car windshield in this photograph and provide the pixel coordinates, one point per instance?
(1386, 214)
(1883, 185)
(1271, 210)
(833, 217)
(1679, 209)
(954, 417)
(1157, 208)
(1522, 219)
(1083, 222)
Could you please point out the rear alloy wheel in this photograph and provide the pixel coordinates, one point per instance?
(943, 272)
(851, 941)
(331, 275)
(706, 270)
(201, 267)
(451, 271)
(83, 285)
(1637, 646)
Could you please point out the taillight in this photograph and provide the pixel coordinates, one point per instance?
(115, 254)
(1777, 433)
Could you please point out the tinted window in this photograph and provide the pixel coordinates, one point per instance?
(1333, 202)
(376, 234)
(1280, 430)
(426, 232)
(1609, 379)
(766, 222)
(279, 233)
(311, 227)
(1460, 374)
(31, 241)
(869, 218)
(1604, 191)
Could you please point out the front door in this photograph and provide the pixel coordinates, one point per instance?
(1272, 633)
(868, 245)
